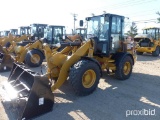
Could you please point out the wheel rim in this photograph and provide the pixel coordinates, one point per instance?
(35, 58)
(88, 78)
(126, 68)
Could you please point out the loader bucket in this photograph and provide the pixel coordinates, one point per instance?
(28, 94)
(6, 62)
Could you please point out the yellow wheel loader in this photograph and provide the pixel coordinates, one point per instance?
(24, 30)
(37, 30)
(148, 42)
(14, 32)
(105, 49)
(31, 53)
(6, 42)
(82, 32)
(6, 32)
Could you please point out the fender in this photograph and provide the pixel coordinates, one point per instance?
(120, 55)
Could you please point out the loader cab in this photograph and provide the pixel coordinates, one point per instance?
(82, 32)
(37, 30)
(24, 30)
(6, 32)
(14, 32)
(154, 32)
(107, 31)
(53, 34)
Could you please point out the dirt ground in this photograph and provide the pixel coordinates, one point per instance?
(137, 98)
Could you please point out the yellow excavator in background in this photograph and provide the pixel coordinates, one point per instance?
(105, 49)
(148, 42)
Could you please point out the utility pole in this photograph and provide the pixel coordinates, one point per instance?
(74, 19)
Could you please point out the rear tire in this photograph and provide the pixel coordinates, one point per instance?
(84, 77)
(139, 53)
(34, 61)
(156, 52)
(124, 68)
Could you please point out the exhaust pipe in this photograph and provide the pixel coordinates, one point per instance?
(28, 94)
(6, 62)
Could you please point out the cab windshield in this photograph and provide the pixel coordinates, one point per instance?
(98, 27)
(48, 34)
(33, 30)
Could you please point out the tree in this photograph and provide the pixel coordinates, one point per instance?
(159, 17)
(133, 31)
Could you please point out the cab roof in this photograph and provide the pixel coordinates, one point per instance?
(107, 14)
(151, 28)
(38, 24)
(13, 29)
(143, 36)
(56, 26)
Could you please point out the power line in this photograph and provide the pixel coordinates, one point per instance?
(123, 5)
(145, 20)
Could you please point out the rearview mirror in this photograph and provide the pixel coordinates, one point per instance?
(81, 23)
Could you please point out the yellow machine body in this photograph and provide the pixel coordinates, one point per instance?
(148, 42)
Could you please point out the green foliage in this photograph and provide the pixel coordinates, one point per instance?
(158, 13)
(133, 31)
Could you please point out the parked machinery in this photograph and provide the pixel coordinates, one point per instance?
(7, 41)
(149, 41)
(82, 32)
(54, 34)
(24, 30)
(37, 30)
(1, 34)
(31, 52)
(14, 32)
(6, 32)
(105, 49)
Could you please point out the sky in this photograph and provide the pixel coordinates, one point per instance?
(15, 13)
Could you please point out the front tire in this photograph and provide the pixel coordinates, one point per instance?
(34, 58)
(124, 68)
(139, 53)
(156, 52)
(84, 77)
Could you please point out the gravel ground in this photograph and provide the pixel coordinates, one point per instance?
(134, 99)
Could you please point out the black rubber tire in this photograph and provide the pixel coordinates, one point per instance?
(139, 53)
(8, 44)
(119, 74)
(28, 58)
(156, 52)
(76, 73)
